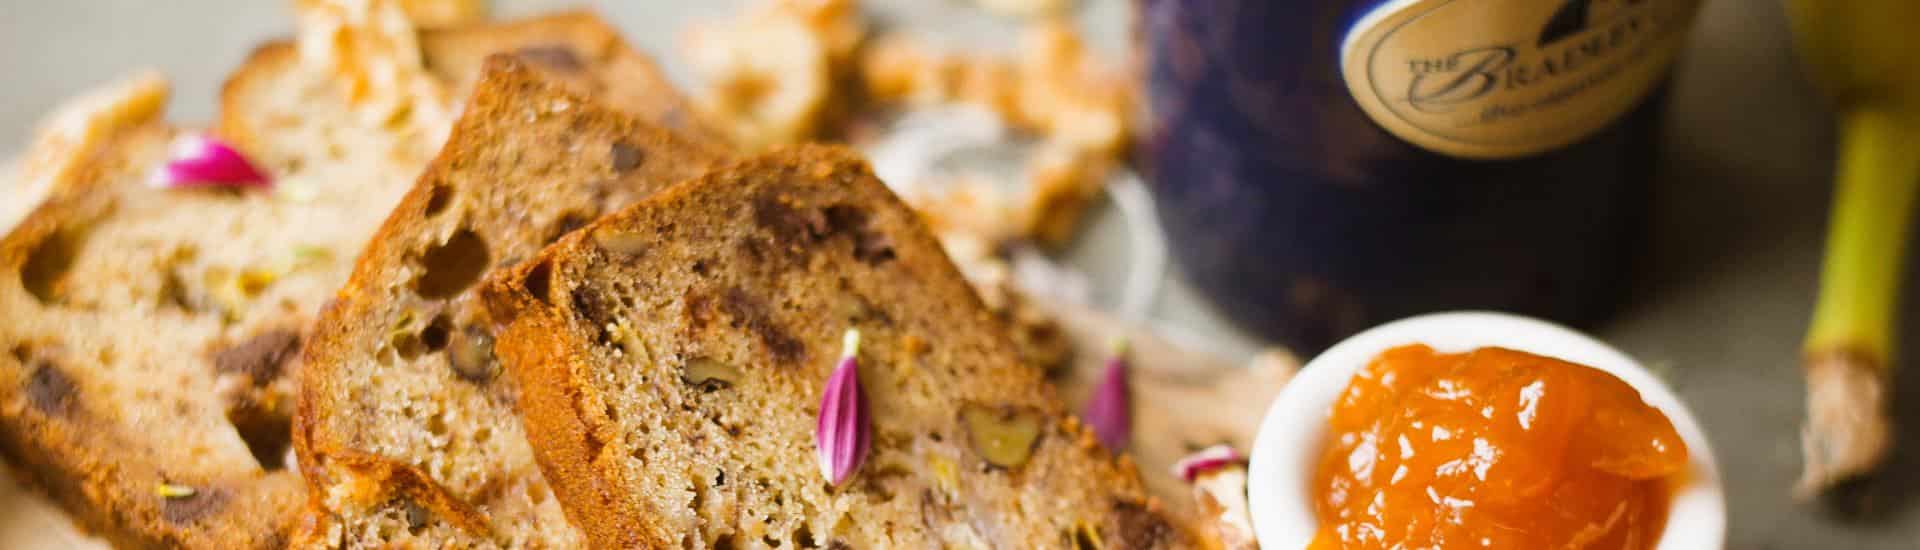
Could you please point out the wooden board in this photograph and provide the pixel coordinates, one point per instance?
(1182, 401)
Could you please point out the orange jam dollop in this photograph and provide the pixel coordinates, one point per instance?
(1493, 448)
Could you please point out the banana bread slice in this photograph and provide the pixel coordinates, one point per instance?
(149, 339)
(71, 133)
(671, 359)
(406, 432)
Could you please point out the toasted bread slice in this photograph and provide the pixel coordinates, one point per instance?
(406, 433)
(671, 359)
(149, 338)
(70, 134)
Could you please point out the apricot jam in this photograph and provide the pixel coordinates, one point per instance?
(1493, 448)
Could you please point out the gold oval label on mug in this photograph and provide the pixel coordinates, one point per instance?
(1497, 79)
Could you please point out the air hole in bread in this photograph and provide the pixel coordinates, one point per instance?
(406, 343)
(538, 282)
(48, 263)
(723, 542)
(593, 307)
(436, 333)
(438, 196)
(267, 433)
(260, 357)
(437, 424)
(453, 266)
(803, 536)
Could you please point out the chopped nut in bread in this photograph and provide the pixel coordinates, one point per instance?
(761, 266)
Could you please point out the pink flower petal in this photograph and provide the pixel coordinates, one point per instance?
(1206, 460)
(1109, 410)
(203, 161)
(843, 434)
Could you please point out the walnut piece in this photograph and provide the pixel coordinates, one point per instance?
(1004, 436)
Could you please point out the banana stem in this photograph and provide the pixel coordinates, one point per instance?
(1849, 345)
(1878, 175)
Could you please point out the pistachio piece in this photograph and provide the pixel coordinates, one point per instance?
(254, 281)
(709, 374)
(470, 353)
(1004, 436)
(946, 476)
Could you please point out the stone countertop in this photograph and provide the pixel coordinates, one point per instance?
(1720, 300)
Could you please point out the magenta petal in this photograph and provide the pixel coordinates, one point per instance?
(1110, 410)
(1206, 460)
(203, 161)
(842, 437)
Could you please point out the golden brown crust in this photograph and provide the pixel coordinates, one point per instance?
(528, 160)
(562, 441)
(757, 267)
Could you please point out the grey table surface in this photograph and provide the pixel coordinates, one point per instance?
(1720, 296)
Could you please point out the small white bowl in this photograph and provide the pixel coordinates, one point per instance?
(1295, 429)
